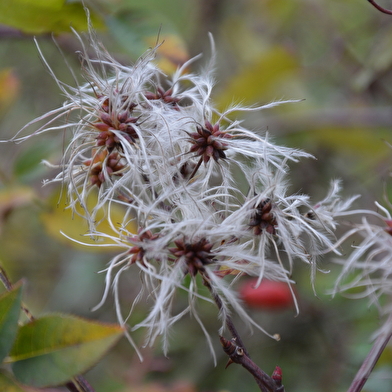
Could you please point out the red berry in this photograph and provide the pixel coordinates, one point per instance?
(268, 295)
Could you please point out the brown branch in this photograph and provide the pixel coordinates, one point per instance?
(228, 321)
(370, 361)
(381, 9)
(196, 168)
(238, 353)
(79, 384)
(5, 280)
(10, 32)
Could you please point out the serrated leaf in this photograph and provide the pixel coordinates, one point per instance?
(43, 16)
(10, 303)
(8, 384)
(51, 350)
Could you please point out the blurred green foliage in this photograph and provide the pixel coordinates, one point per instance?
(51, 350)
(10, 304)
(43, 16)
(335, 56)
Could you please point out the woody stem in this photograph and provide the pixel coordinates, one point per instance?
(229, 322)
(370, 361)
(381, 9)
(240, 354)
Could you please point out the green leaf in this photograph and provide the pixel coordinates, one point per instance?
(51, 350)
(43, 16)
(8, 384)
(10, 303)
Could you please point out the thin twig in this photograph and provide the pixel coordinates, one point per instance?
(381, 9)
(237, 351)
(237, 355)
(196, 168)
(79, 384)
(5, 280)
(228, 320)
(72, 387)
(370, 361)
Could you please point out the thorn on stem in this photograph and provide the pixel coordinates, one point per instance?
(229, 362)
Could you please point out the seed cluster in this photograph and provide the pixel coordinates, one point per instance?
(195, 255)
(165, 96)
(208, 142)
(138, 251)
(103, 164)
(263, 218)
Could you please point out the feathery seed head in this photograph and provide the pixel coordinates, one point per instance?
(143, 146)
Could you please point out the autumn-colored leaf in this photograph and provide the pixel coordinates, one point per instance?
(60, 219)
(171, 54)
(51, 350)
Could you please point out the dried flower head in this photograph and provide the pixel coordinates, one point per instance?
(157, 145)
(367, 271)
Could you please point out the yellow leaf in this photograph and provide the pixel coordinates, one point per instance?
(171, 54)
(358, 141)
(260, 81)
(60, 219)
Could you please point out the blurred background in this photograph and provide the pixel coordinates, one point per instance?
(335, 56)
